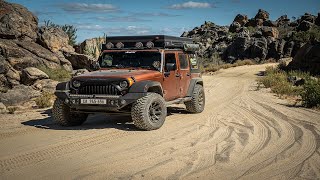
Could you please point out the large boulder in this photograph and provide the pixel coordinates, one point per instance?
(241, 19)
(270, 32)
(31, 74)
(307, 58)
(262, 14)
(91, 47)
(45, 85)
(54, 39)
(17, 22)
(288, 48)
(304, 26)
(234, 27)
(317, 21)
(259, 48)
(308, 17)
(79, 61)
(18, 95)
(282, 20)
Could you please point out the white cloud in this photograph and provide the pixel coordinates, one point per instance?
(190, 5)
(84, 7)
(90, 27)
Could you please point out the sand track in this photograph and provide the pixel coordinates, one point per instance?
(244, 133)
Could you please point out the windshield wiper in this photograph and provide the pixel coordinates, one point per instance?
(149, 67)
(117, 66)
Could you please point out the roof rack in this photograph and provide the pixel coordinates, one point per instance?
(149, 42)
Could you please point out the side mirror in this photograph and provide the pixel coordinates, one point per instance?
(95, 65)
(171, 66)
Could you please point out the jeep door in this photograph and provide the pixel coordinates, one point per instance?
(171, 77)
(184, 74)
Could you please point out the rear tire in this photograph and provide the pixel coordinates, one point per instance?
(149, 112)
(62, 115)
(197, 103)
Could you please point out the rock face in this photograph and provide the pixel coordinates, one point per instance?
(262, 14)
(18, 95)
(17, 22)
(23, 47)
(79, 61)
(31, 74)
(307, 58)
(91, 47)
(54, 39)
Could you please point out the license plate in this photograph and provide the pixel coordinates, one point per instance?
(93, 101)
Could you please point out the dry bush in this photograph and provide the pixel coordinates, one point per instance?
(45, 100)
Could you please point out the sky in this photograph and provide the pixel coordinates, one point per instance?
(94, 18)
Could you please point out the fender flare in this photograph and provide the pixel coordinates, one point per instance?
(193, 83)
(61, 90)
(146, 86)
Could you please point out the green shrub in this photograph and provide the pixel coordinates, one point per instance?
(305, 36)
(56, 74)
(311, 93)
(45, 100)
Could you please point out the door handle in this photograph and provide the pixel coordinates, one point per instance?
(188, 74)
(178, 75)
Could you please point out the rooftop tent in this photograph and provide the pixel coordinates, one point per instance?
(149, 41)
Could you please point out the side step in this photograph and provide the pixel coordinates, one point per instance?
(178, 101)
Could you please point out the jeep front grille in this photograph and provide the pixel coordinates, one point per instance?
(99, 89)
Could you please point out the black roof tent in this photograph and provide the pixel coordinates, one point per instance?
(149, 41)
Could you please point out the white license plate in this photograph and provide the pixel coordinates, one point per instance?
(93, 101)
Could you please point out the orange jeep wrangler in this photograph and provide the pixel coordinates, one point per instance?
(140, 75)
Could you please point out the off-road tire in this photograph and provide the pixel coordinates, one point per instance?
(149, 112)
(62, 115)
(197, 103)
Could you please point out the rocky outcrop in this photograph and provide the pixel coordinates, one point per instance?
(23, 47)
(258, 38)
(31, 74)
(90, 47)
(54, 39)
(79, 61)
(307, 58)
(17, 22)
(18, 95)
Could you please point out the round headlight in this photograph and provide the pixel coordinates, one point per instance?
(123, 84)
(76, 84)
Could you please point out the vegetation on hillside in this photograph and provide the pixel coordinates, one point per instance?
(286, 83)
(56, 74)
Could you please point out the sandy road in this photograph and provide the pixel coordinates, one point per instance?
(242, 134)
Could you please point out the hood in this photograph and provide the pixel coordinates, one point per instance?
(119, 74)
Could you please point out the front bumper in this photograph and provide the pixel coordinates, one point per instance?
(114, 103)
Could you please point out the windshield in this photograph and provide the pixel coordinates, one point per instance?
(134, 59)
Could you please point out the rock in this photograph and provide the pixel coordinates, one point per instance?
(91, 47)
(308, 17)
(17, 22)
(282, 20)
(79, 61)
(234, 27)
(54, 39)
(18, 95)
(31, 74)
(79, 72)
(262, 14)
(288, 48)
(3, 108)
(317, 21)
(269, 23)
(304, 26)
(259, 49)
(237, 50)
(307, 58)
(241, 19)
(270, 31)
(273, 50)
(45, 85)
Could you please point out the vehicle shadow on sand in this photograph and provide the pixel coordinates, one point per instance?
(94, 121)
